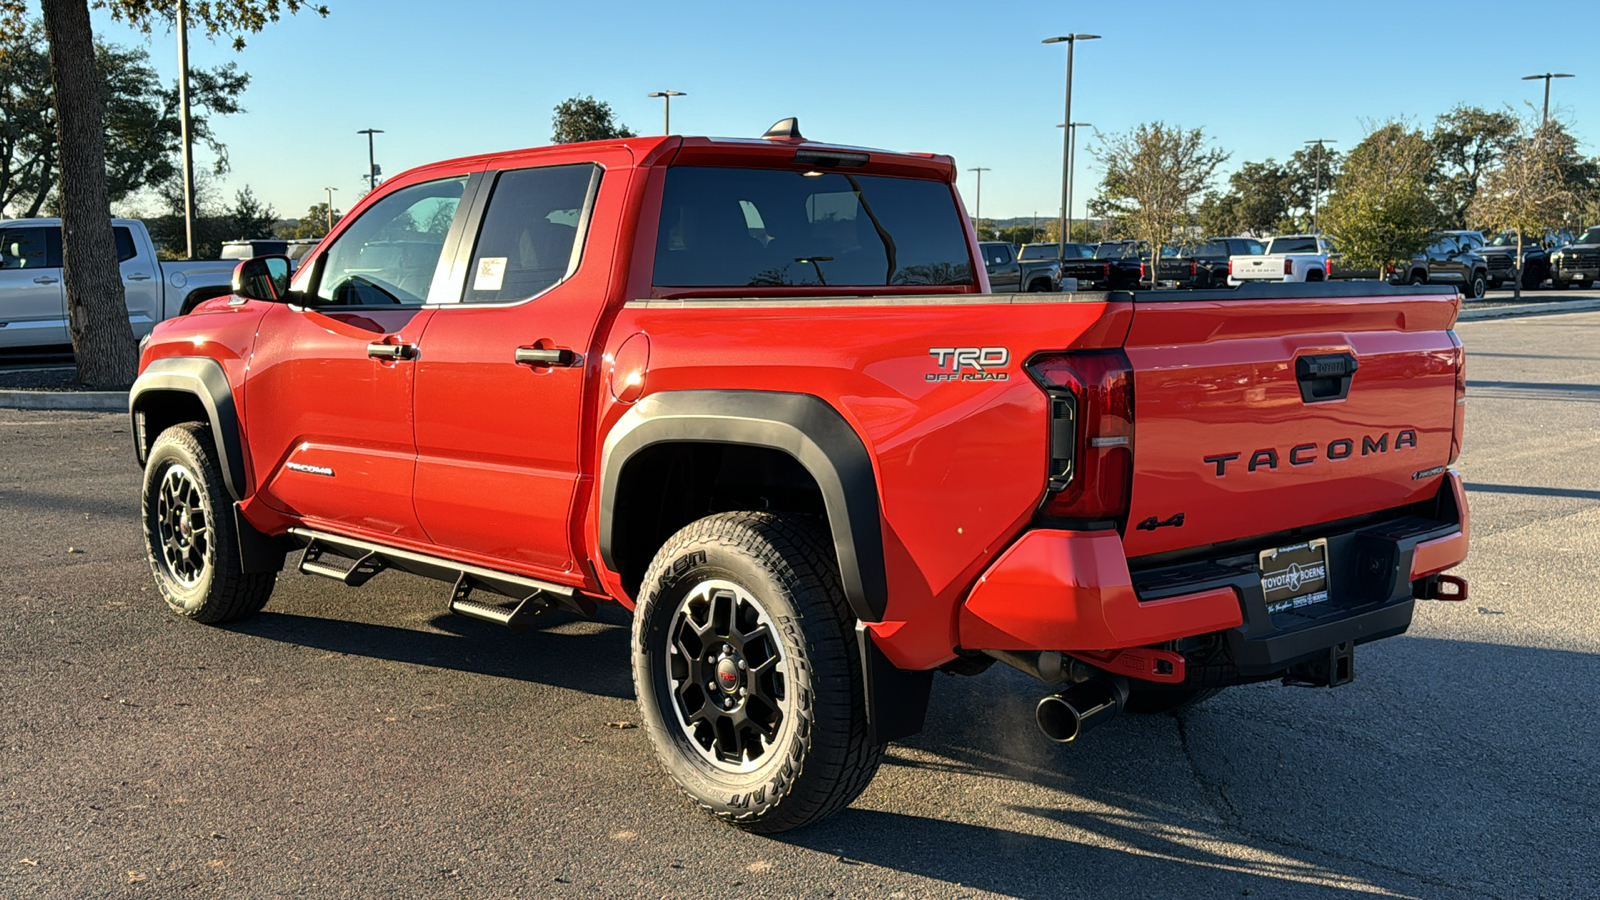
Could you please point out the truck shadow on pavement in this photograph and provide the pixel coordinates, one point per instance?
(560, 650)
(1415, 779)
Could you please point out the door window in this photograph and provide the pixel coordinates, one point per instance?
(529, 241)
(125, 247)
(22, 248)
(388, 256)
(999, 255)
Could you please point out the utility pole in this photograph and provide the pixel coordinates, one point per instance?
(977, 209)
(1066, 137)
(1546, 76)
(185, 133)
(666, 107)
(330, 206)
(372, 161)
(1072, 172)
(1316, 181)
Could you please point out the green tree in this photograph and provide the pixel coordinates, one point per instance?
(96, 306)
(1381, 209)
(1155, 175)
(250, 218)
(1468, 142)
(1220, 213)
(585, 119)
(1308, 177)
(1528, 192)
(314, 224)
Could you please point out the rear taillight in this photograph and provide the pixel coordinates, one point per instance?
(1288, 267)
(1141, 271)
(1461, 398)
(1091, 433)
(1230, 265)
(1105, 271)
(1193, 268)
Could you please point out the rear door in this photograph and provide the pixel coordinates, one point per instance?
(504, 364)
(32, 306)
(141, 281)
(1244, 426)
(1005, 273)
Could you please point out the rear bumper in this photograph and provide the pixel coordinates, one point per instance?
(1074, 590)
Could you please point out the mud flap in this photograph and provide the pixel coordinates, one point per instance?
(897, 700)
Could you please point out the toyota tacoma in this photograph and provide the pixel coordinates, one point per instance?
(757, 393)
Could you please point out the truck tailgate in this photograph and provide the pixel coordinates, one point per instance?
(1245, 426)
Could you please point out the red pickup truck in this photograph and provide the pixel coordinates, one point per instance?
(757, 392)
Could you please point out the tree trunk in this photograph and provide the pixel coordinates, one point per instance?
(97, 309)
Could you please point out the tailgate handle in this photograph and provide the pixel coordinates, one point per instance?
(1325, 377)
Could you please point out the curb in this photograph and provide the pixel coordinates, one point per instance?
(91, 401)
(1549, 308)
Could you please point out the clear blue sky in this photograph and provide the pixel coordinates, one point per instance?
(971, 80)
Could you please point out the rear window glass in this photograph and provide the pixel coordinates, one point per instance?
(1116, 251)
(1293, 245)
(769, 228)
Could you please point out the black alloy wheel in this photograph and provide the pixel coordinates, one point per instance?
(728, 675)
(748, 674)
(191, 540)
(1476, 286)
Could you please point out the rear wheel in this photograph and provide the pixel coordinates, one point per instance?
(1038, 285)
(747, 675)
(1417, 278)
(189, 534)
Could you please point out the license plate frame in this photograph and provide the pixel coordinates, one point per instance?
(1296, 576)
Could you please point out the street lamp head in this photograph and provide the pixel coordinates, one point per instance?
(1069, 38)
(666, 94)
(370, 131)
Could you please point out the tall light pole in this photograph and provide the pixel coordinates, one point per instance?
(330, 206)
(1546, 76)
(1316, 189)
(666, 107)
(183, 125)
(1066, 137)
(1072, 171)
(372, 160)
(977, 209)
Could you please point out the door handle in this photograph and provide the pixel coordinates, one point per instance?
(533, 356)
(139, 277)
(392, 351)
(45, 279)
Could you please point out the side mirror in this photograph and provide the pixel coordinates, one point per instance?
(262, 278)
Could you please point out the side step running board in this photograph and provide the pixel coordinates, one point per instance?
(354, 562)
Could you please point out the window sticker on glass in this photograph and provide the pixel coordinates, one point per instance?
(491, 272)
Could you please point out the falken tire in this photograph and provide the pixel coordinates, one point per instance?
(189, 535)
(800, 752)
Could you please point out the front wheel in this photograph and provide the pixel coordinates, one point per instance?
(1477, 286)
(189, 535)
(748, 679)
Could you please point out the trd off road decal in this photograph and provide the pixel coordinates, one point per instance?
(985, 364)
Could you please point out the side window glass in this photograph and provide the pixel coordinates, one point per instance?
(125, 248)
(388, 256)
(22, 248)
(529, 237)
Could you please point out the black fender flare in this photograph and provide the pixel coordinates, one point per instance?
(204, 379)
(802, 425)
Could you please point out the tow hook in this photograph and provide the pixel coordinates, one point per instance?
(1443, 587)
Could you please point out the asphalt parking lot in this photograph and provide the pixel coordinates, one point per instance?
(364, 743)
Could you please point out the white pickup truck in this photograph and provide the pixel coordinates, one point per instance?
(1290, 257)
(33, 306)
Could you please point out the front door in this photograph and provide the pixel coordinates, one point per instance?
(500, 380)
(1005, 273)
(32, 306)
(330, 389)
